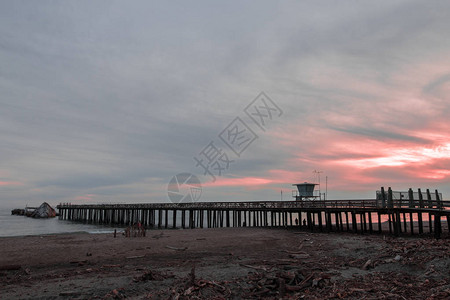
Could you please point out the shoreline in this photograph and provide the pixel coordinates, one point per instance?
(109, 228)
(50, 234)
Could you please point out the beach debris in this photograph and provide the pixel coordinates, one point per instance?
(158, 236)
(254, 267)
(111, 266)
(281, 287)
(116, 294)
(367, 265)
(153, 276)
(176, 248)
(70, 293)
(299, 256)
(10, 267)
(192, 276)
(134, 257)
(295, 252)
(191, 287)
(79, 262)
(281, 284)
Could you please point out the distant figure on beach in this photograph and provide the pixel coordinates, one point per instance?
(296, 221)
(135, 230)
(304, 222)
(127, 232)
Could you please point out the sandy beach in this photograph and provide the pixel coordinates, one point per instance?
(227, 263)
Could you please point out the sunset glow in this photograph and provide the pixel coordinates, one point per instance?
(247, 181)
(401, 157)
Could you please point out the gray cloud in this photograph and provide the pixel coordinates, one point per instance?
(107, 98)
(381, 134)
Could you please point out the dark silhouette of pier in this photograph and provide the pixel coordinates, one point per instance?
(383, 215)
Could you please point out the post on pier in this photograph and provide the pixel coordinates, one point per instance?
(383, 198)
(411, 205)
(390, 202)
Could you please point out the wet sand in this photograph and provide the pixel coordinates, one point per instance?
(229, 263)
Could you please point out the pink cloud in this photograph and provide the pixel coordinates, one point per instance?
(10, 183)
(361, 158)
(370, 133)
(285, 176)
(84, 198)
(244, 181)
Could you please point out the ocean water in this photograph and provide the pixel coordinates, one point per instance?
(20, 226)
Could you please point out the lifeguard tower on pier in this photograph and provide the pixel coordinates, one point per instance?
(305, 191)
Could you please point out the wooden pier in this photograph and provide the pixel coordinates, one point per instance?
(405, 216)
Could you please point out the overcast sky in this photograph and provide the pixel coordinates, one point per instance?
(105, 101)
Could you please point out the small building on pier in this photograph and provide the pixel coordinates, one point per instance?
(305, 191)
